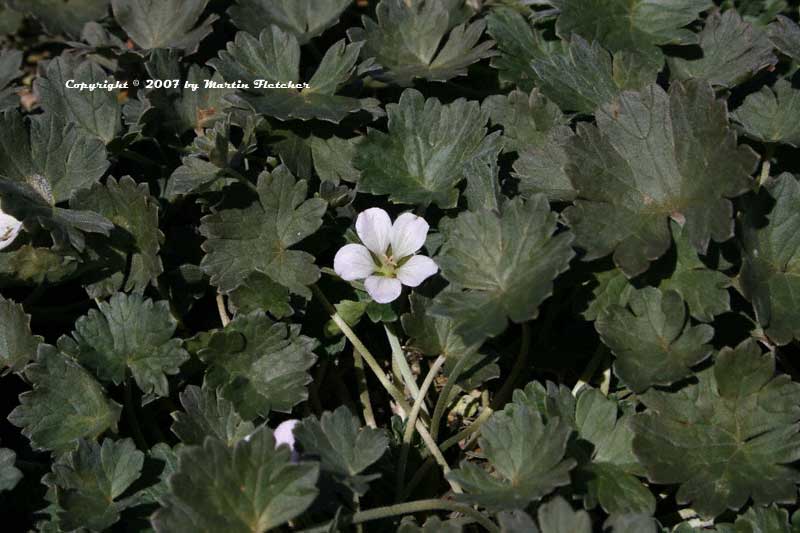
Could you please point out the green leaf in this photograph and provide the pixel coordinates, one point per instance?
(432, 524)
(131, 256)
(66, 404)
(250, 488)
(785, 35)
(28, 265)
(164, 23)
(607, 467)
(518, 45)
(17, 344)
(424, 155)
(631, 523)
(259, 365)
(10, 62)
(556, 516)
(260, 293)
(630, 24)
(704, 289)
(528, 120)
(257, 238)
(95, 112)
(207, 414)
(128, 333)
(769, 114)
(584, 77)
(727, 437)
(408, 40)
(10, 20)
(501, 265)
(527, 456)
(275, 57)
(435, 335)
(771, 257)
(759, 519)
(62, 16)
(9, 474)
(345, 449)
(653, 341)
(733, 51)
(333, 158)
(305, 19)
(631, 176)
(47, 146)
(89, 481)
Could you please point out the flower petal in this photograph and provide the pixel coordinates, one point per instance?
(284, 433)
(383, 290)
(374, 228)
(408, 235)
(353, 261)
(9, 229)
(416, 270)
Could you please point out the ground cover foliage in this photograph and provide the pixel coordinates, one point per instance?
(590, 295)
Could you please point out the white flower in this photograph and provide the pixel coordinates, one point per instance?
(9, 229)
(284, 436)
(387, 260)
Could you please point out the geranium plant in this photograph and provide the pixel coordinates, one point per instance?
(400, 265)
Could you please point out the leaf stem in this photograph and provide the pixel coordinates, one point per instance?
(507, 388)
(444, 395)
(242, 179)
(411, 423)
(417, 506)
(138, 436)
(223, 312)
(399, 359)
(363, 390)
(396, 395)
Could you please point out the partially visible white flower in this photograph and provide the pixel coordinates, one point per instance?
(388, 258)
(284, 435)
(9, 229)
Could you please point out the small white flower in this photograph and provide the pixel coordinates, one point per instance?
(9, 229)
(387, 260)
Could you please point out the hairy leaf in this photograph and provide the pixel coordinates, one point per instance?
(250, 488)
(17, 344)
(275, 57)
(9, 474)
(207, 414)
(526, 454)
(408, 40)
(95, 112)
(654, 156)
(131, 257)
(305, 19)
(66, 403)
(770, 114)
(89, 481)
(164, 23)
(257, 238)
(259, 365)
(128, 333)
(423, 156)
(630, 24)
(344, 448)
(726, 437)
(62, 16)
(771, 257)
(733, 51)
(502, 265)
(653, 342)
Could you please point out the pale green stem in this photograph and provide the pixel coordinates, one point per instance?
(444, 395)
(363, 390)
(418, 506)
(411, 423)
(400, 362)
(223, 312)
(396, 395)
(504, 394)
